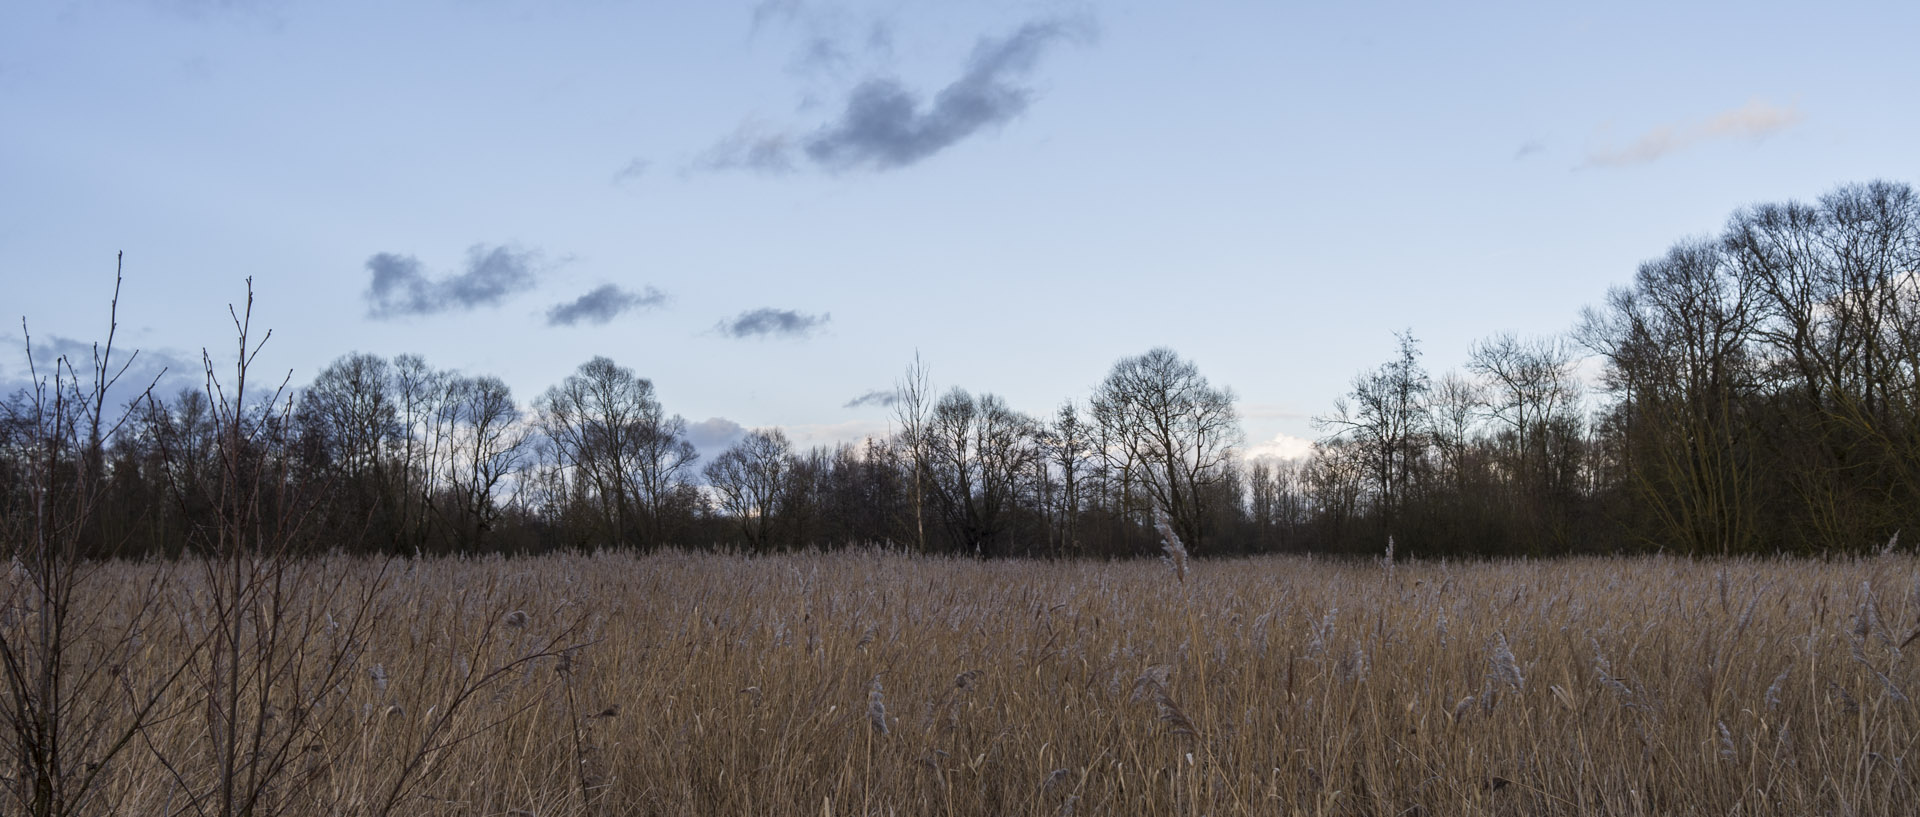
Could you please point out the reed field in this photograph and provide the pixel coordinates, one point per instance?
(868, 683)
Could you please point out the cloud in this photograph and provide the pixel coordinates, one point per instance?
(877, 397)
(1532, 146)
(884, 125)
(821, 54)
(768, 322)
(1756, 120)
(166, 370)
(603, 304)
(400, 285)
(808, 435)
(713, 435)
(880, 37)
(1283, 446)
(1272, 411)
(767, 11)
(633, 170)
(751, 147)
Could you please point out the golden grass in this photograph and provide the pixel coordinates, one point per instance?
(873, 684)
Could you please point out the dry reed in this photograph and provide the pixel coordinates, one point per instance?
(754, 685)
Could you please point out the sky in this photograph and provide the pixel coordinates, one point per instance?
(769, 207)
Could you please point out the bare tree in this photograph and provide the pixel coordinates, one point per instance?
(78, 684)
(977, 450)
(660, 480)
(913, 397)
(1837, 288)
(1067, 448)
(594, 420)
(350, 405)
(1164, 418)
(423, 399)
(1454, 411)
(1678, 349)
(609, 429)
(751, 478)
(1385, 419)
(486, 444)
(1531, 393)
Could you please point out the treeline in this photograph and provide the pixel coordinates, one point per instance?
(1754, 392)
(379, 455)
(1757, 392)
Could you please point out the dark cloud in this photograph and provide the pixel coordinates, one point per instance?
(400, 285)
(167, 371)
(712, 435)
(603, 304)
(884, 125)
(766, 323)
(877, 397)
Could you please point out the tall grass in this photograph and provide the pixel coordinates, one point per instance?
(869, 683)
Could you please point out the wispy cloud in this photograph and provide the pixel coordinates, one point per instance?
(633, 170)
(877, 397)
(400, 285)
(1757, 119)
(752, 146)
(769, 11)
(769, 323)
(884, 125)
(603, 304)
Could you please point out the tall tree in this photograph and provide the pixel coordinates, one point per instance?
(1385, 419)
(1181, 430)
(977, 450)
(611, 433)
(751, 478)
(486, 444)
(913, 397)
(1678, 352)
(1066, 446)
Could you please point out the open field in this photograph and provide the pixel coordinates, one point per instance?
(862, 683)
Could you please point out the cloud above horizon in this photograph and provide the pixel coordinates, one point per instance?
(767, 322)
(166, 371)
(602, 304)
(1755, 120)
(1282, 447)
(876, 397)
(712, 435)
(400, 286)
(884, 125)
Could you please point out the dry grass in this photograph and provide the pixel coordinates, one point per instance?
(860, 683)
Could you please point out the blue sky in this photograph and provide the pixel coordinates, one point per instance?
(789, 198)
